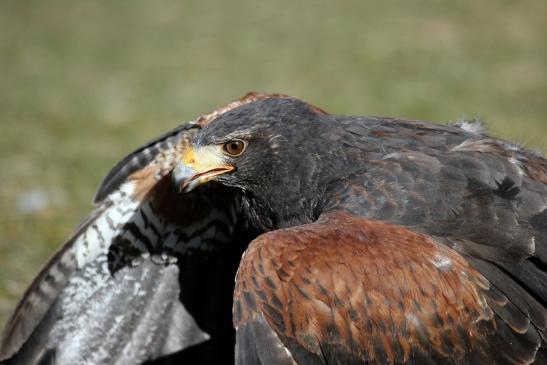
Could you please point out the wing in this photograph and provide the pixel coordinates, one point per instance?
(147, 274)
(95, 305)
(483, 197)
(347, 290)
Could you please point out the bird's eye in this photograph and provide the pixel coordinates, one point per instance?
(234, 147)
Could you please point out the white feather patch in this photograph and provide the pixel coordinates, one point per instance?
(96, 239)
(472, 126)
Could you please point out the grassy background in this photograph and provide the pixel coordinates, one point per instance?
(82, 83)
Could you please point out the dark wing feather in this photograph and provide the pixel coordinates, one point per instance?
(141, 221)
(349, 290)
(483, 197)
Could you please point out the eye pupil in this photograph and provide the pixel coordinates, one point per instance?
(234, 148)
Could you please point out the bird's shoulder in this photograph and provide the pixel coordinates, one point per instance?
(483, 197)
(348, 288)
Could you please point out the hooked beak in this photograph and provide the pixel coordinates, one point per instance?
(198, 167)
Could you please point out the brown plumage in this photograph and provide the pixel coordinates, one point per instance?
(345, 289)
(392, 241)
(364, 240)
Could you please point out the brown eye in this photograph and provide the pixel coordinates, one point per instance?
(235, 147)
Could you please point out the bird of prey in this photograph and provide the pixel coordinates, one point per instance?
(352, 240)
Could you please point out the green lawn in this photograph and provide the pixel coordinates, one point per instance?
(82, 83)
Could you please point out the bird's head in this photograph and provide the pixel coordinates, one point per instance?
(279, 152)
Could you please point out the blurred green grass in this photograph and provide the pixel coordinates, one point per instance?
(83, 83)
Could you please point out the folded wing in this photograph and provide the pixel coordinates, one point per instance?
(346, 290)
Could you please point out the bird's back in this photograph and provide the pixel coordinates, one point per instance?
(483, 197)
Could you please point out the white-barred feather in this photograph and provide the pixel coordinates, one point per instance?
(122, 207)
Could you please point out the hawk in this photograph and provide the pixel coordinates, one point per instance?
(352, 240)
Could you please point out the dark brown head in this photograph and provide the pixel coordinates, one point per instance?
(280, 152)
